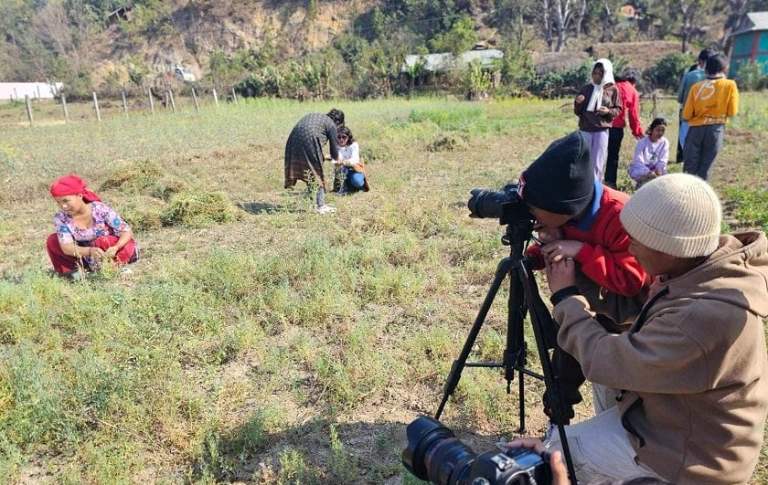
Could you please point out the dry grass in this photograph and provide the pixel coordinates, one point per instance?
(274, 345)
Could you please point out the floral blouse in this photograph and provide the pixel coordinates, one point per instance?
(106, 222)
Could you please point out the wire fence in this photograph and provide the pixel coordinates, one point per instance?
(36, 111)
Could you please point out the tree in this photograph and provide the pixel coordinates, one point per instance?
(687, 12)
(461, 37)
(736, 9)
(557, 17)
(562, 16)
(580, 15)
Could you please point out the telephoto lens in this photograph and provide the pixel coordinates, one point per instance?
(435, 454)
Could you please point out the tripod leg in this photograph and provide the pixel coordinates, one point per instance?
(521, 397)
(502, 270)
(541, 321)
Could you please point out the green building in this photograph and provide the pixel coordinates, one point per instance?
(750, 42)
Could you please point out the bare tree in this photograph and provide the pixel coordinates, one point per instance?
(563, 16)
(736, 10)
(580, 16)
(689, 28)
(547, 23)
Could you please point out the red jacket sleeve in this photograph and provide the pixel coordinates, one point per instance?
(610, 265)
(633, 109)
(535, 256)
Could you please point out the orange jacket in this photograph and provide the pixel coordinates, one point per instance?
(711, 102)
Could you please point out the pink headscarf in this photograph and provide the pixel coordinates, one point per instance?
(73, 185)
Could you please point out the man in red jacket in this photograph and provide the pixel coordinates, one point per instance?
(630, 106)
(578, 219)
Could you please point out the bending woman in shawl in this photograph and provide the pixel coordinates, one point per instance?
(596, 105)
(87, 231)
(304, 151)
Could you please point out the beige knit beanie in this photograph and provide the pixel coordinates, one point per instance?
(676, 214)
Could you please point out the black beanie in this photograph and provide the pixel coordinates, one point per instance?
(562, 179)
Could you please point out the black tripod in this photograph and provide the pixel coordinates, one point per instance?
(523, 297)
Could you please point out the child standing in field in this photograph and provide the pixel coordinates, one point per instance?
(651, 154)
(596, 105)
(351, 171)
(707, 108)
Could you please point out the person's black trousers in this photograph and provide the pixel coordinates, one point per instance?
(615, 136)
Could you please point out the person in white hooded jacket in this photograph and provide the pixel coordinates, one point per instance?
(596, 105)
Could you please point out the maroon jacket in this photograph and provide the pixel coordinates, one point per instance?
(591, 120)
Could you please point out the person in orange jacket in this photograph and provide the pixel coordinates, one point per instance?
(708, 107)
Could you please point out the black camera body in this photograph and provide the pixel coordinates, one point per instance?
(506, 205)
(435, 454)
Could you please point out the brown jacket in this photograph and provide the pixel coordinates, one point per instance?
(693, 366)
(591, 120)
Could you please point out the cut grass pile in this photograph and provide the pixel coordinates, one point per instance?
(258, 341)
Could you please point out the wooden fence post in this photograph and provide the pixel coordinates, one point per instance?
(96, 106)
(170, 97)
(194, 98)
(125, 103)
(234, 96)
(64, 107)
(215, 97)
(151, 101)
(29, 108)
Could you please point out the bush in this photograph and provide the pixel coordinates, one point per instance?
(555, 84)
(750, 76)
(666, 74)
(195, 209)
(477, 82)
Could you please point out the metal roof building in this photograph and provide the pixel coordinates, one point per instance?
(750, 42)
(445, 61)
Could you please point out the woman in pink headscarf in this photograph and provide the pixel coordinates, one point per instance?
(87, 230)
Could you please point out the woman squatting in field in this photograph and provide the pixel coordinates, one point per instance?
(87, 231)
(350, 174)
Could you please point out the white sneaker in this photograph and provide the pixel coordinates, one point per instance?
(125, 271)
(326, 209)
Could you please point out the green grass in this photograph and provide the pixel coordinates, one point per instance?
(257, 341)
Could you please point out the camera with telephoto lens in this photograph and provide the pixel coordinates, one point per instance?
(436, 455)
(506, 205)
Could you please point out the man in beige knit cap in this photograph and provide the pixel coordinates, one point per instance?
(691, 391)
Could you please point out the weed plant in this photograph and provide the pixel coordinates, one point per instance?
(258, 341)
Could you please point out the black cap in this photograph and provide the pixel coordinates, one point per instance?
(562, 179)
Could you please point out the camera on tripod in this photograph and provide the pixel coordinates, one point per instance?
(433, 451)
(506, 205)
(436, 455)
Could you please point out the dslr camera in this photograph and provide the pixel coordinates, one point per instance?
(506, 205)
(435, 454)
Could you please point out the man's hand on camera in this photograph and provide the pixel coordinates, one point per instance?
(556, 463)
(561, 274)
(560, 250)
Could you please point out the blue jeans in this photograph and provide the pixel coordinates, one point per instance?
(355, 181)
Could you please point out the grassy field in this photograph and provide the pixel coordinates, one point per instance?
(257, 341)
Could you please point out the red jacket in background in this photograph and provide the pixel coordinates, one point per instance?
(605, 257)
(630, 102)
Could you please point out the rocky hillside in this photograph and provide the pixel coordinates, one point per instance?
(103, 43)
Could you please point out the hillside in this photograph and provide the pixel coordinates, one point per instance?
(115, 44)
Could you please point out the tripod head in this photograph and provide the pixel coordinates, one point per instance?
(516, 236)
